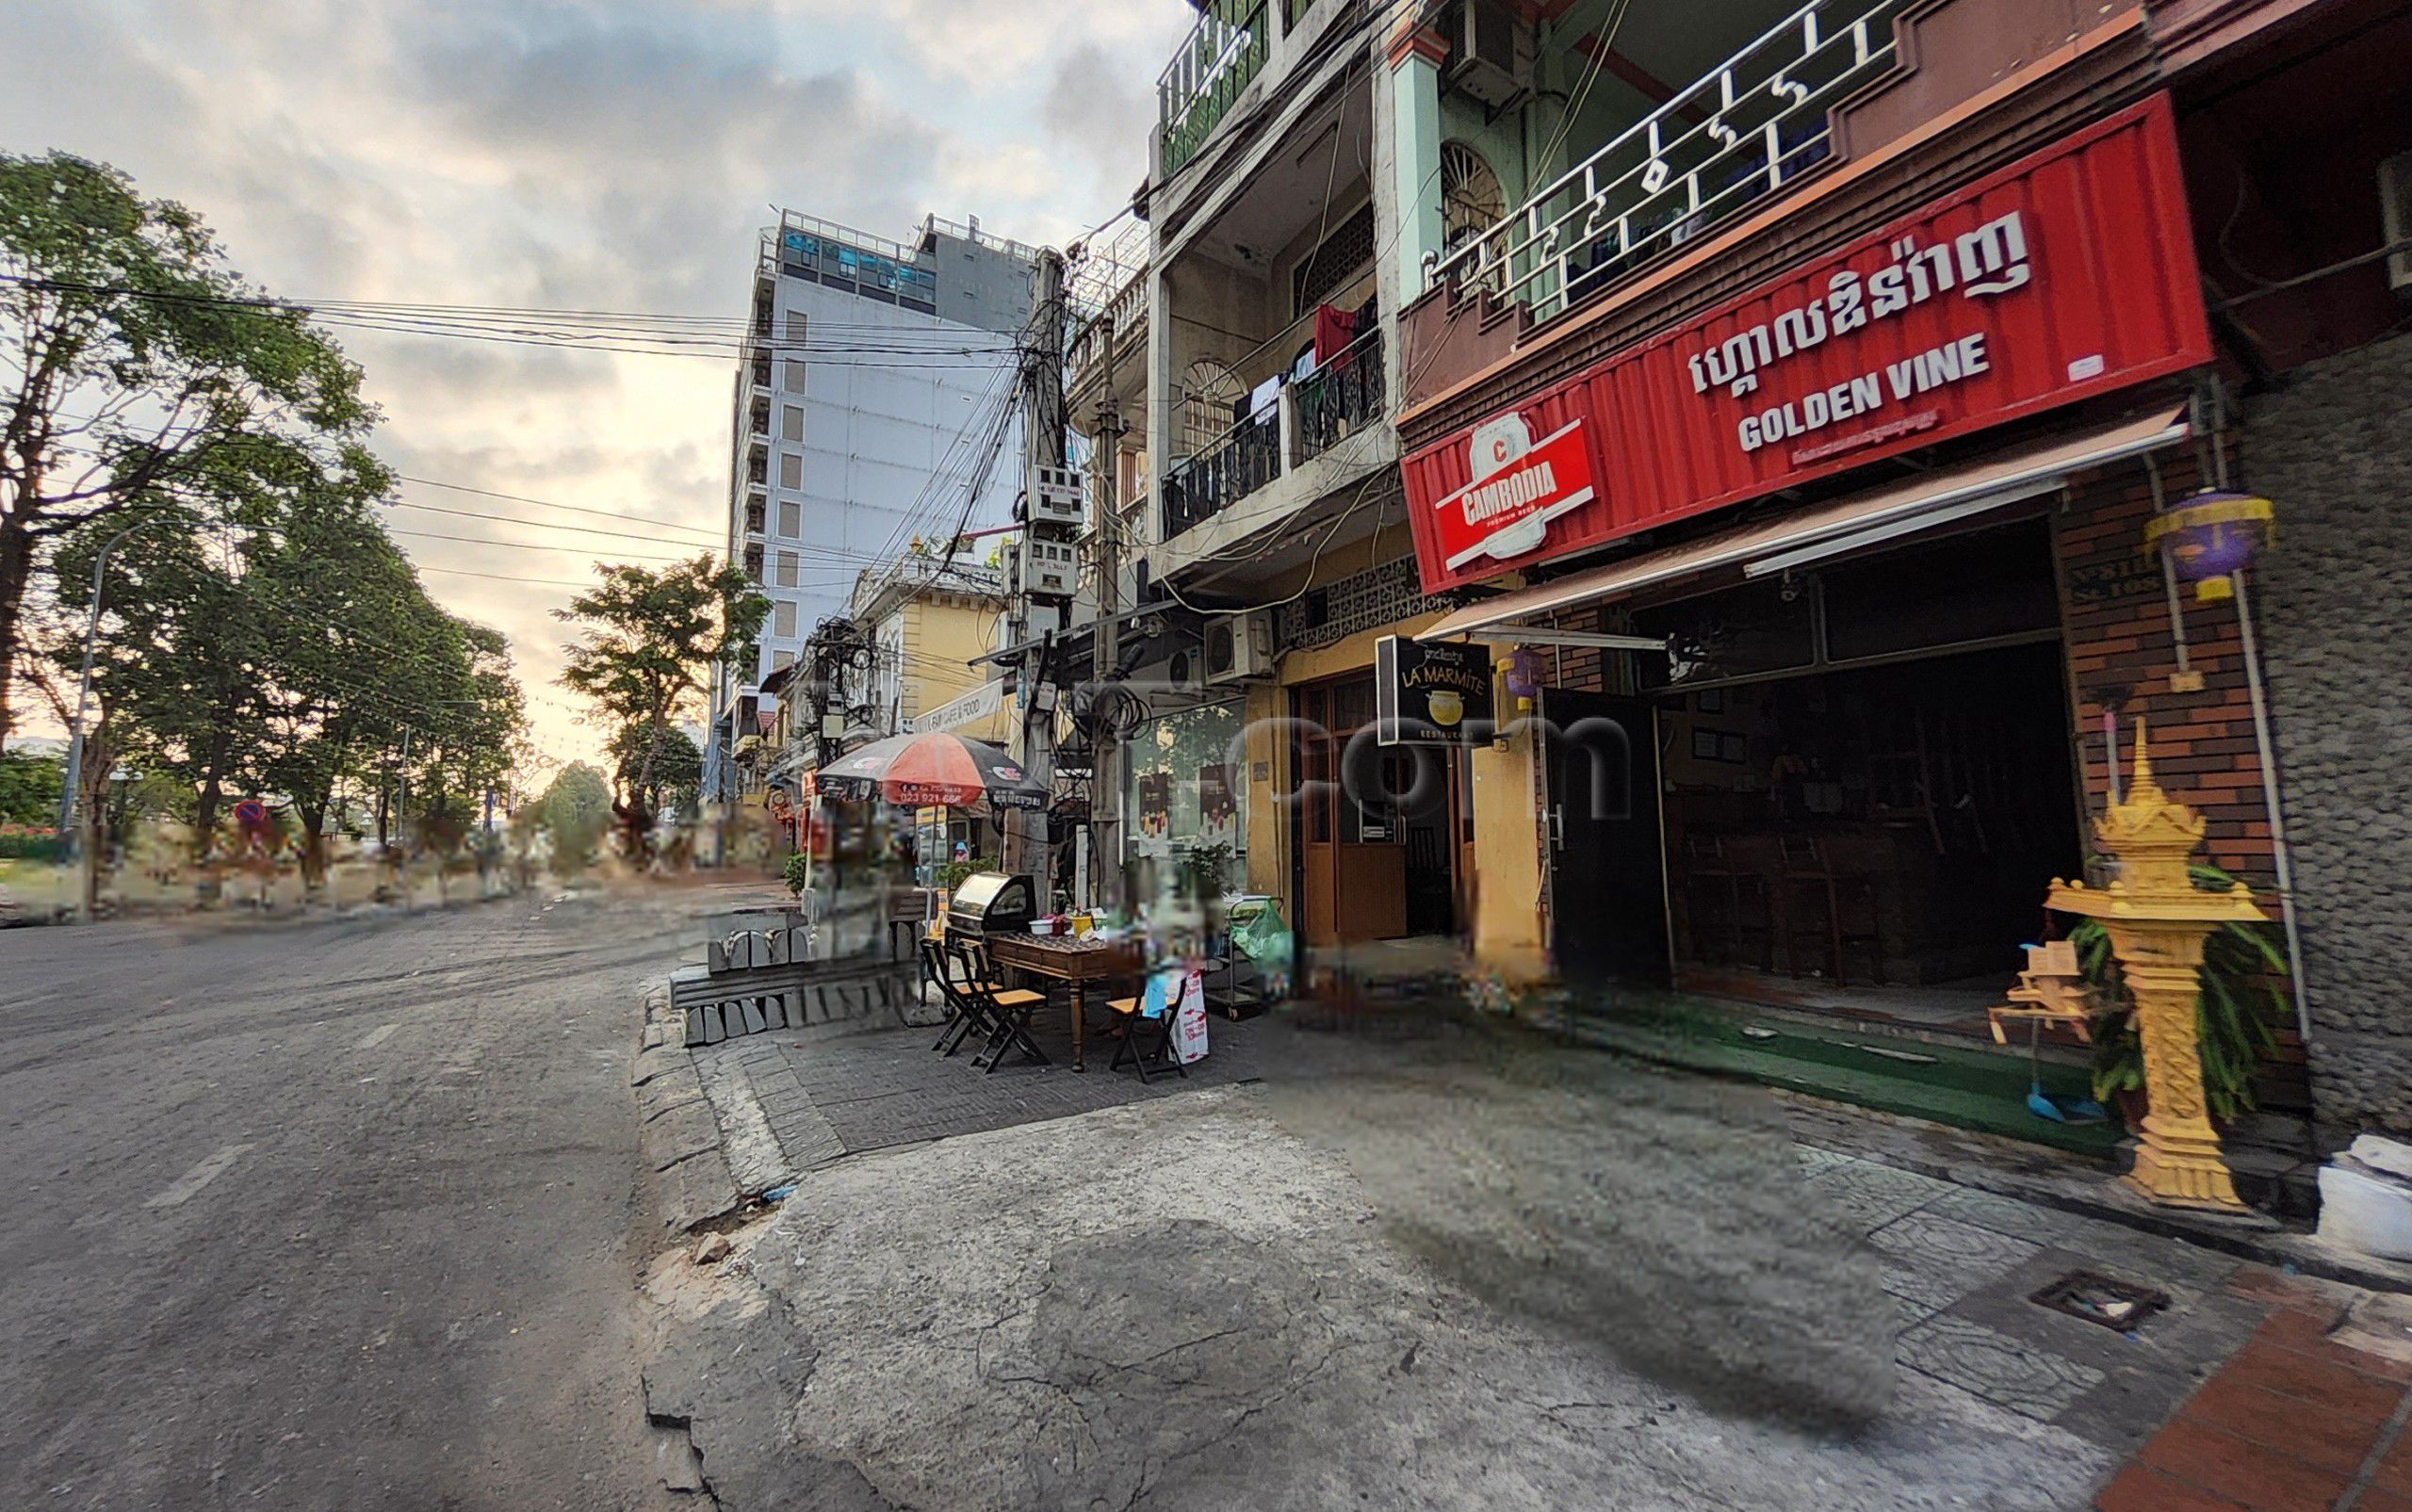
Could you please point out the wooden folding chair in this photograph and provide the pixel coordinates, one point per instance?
(1005, 1010)
(1146, 1041)
(965, 1013)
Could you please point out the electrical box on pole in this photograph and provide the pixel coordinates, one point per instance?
(1048, 565)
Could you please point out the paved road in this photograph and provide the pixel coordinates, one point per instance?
(326, 1214)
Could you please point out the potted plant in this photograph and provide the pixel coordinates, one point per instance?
(2243, 971)
(951, 874)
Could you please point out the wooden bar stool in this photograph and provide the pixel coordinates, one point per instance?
(1841, 912)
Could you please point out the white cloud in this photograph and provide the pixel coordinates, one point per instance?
(605, 155)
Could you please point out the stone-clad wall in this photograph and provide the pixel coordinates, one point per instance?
(2333, 447)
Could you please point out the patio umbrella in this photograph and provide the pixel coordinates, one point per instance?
(932, 769)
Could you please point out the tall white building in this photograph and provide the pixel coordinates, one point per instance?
(874, 398)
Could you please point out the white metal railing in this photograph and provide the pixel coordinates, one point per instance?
(1737, 133)
(970, 231)
(1126, 309)
(1214, 62)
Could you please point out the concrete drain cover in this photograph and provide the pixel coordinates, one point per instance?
(2098, 1298)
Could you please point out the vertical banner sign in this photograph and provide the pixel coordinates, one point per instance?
(1429, 694)
(2064, 276)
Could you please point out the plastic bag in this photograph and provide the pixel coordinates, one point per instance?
(1263, 939)
(1189, 1024)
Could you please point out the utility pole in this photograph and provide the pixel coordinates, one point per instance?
(1049, 560)
(1105, 785)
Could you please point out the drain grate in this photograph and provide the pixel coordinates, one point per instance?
(2099, 1298)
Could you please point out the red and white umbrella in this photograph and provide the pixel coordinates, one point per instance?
(933, 769)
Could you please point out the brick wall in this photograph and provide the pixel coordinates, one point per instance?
(2333, 449)
(2114, 614)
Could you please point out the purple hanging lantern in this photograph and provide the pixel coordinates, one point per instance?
(2209, 535)
(1522, 673)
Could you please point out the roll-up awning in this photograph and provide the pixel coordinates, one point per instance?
(1847, 524)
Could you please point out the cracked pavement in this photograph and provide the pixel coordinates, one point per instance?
(1451, 1275)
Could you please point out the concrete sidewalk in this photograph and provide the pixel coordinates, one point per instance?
(1466, 1269)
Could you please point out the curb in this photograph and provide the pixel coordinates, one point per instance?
(677, 1138)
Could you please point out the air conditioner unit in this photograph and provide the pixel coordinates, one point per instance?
(1049, 569)
(1185, 671)
(1239, 647)
(1059, 496)
(2395, 217)
(1491, 53)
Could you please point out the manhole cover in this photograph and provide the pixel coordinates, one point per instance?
(2098, 1298)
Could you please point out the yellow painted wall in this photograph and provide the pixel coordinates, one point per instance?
(1507, 882)
(941, 636)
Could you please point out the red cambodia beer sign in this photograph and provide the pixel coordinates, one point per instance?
(2065, 275)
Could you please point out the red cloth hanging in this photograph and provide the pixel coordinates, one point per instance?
(1335, 328)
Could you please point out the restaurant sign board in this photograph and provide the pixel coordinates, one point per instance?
(1431, 693)
(2065, 275)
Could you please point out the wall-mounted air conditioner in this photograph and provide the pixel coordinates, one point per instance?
(1490, 53)
(1239, 647)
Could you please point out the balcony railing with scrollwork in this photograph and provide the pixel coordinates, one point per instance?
(1757, 122)
(1224, 471)
(1218, 59)
(1341, 396)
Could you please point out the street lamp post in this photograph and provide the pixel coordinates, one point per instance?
(67, 800)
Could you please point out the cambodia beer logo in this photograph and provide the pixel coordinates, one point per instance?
(1518, 486)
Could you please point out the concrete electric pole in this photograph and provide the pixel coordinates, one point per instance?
(1105, 785)
(1047, 561)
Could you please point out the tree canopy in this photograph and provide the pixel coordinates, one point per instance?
(132, 358)
(648, 643)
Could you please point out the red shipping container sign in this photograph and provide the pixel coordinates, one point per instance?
(2068, 274)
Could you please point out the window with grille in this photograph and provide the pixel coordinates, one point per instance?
(1207, 391)
(1341, 254)
(790, 422)
(791, 470)
(783, 620)
(792, 520)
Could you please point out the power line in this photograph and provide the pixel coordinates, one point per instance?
(545, 503)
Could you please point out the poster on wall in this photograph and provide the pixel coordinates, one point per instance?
(1155, 804)
(1431, 693)
(1218, 812)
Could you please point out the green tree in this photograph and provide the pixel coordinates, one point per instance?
(648, 644)
(132, 356)
(576, 812)
(179, 660)
(29, 787)
(677, 766)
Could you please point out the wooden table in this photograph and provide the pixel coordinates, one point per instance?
(1067, 961)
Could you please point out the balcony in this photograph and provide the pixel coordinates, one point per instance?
(1743, 131)
(1217, 60)
(1343, 397)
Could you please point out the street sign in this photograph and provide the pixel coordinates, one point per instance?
(250, 814)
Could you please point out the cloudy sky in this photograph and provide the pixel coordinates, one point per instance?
(619, 155)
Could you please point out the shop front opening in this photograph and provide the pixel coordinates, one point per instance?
(1379, 831)
(1864, 779)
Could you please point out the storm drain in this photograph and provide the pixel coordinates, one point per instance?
(2099, 1298)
